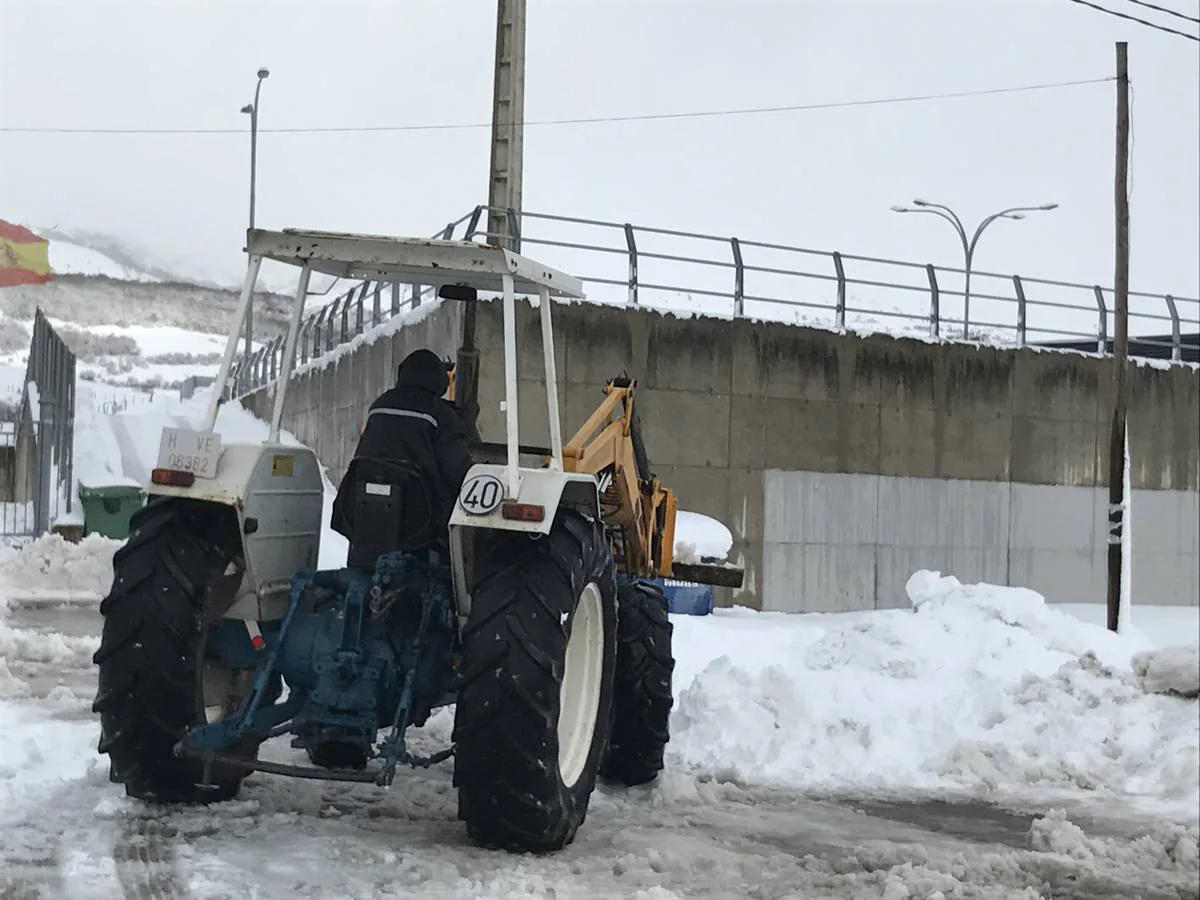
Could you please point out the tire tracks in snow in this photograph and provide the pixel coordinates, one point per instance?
(146, 861)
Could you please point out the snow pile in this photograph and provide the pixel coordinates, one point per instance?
(976, 689)
(1062, 861)
(700, 537)
(23, 645)
(1170, 670)
(11, 687)
(50, 568)
(1166, 847)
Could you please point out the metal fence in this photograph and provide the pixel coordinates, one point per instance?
(37, 442)
(692, 273)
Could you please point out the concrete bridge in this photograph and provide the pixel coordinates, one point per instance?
(841, 463)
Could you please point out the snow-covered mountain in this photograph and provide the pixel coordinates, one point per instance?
(130, 321)
(84, 252)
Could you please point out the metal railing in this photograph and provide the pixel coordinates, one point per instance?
(37, 448)
(692, 273)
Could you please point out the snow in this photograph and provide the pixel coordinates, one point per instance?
(700, 537)
(702, 831)
(409, 316)
(50, 567)
(978, 690)
(72, 259)
(72, 519)
(1170, 670)
(158, 340)
(35, 401)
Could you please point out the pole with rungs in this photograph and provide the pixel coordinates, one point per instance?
(1117, 445)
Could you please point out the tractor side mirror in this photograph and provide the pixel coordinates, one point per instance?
(457, 292)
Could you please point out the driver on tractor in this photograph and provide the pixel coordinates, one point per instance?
(415, 441)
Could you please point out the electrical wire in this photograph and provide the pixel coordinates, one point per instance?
(1163, 9)
(1121, 15)
(806, 107)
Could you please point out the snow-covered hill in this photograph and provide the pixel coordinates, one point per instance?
(72, 259)
(83, 252)
(129, 321)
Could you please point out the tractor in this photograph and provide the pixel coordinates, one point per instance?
(537, 616)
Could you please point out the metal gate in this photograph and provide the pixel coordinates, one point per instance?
(37, 440)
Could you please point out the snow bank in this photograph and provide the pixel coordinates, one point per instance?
(1170, 670)
(975, 689)
(50, 568)
(700, 537)
(1166, 847)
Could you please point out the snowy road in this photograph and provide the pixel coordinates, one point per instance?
(65, 832)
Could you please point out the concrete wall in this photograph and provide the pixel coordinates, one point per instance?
(724, 403)
(327, 402)
(1051, 538)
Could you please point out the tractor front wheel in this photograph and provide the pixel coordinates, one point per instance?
(154, 680)
(535, 699)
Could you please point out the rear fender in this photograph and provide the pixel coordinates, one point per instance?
(277, 493)
(550, 489)
(546, 488)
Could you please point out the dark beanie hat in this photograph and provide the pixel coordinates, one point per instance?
(423, 369)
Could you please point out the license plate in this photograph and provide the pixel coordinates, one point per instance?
(182, 450)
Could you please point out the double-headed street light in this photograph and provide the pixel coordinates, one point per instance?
(968, 244)
(251, 109)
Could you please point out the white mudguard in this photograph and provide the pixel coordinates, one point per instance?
(480, 507)
(278, 494)
(481, 498)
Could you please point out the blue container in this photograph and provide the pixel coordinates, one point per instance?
(685, 598)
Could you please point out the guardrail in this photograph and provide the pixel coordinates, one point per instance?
(693, 273)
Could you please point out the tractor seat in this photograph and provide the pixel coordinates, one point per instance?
(392, 510)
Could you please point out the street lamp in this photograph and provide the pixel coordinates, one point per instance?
(968, 245)
(251, 109)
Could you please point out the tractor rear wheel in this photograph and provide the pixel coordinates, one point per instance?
(642, 691)
(154, 680)
(534, 700)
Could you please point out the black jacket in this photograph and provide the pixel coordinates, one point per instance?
(412, 423)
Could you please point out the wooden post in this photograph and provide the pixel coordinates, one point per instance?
(1116, 449)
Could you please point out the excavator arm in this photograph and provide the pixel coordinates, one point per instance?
(638, 509)
(635, 505)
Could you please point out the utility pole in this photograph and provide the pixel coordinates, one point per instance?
(504, 183)
(508, 125)
(1116, 447)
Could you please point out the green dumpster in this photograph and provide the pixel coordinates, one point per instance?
(107, 509)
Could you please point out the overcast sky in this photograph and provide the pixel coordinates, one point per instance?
(821, 179)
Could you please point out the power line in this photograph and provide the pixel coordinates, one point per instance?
(1121, 15)
(1163, 9)
(807, 107)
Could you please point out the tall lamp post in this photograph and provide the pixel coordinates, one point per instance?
(968, 244)
(251, 109)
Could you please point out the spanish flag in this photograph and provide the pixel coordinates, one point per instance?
(24, 257)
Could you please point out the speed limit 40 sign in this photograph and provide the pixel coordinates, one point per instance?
(481, 494)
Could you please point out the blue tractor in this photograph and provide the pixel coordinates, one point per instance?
(534, 619)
